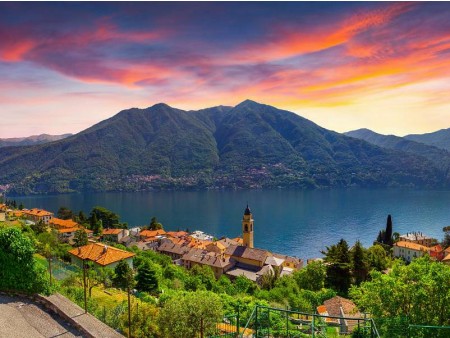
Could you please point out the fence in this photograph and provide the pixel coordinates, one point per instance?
(280, 323)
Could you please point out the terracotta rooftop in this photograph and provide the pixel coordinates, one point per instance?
(334, 304)
(176, 234)
(112, 231)
(100, 253)
(64, 223)
(206, 258)
(152, 233)
(411, 245)
(38, 212)
(169, 247)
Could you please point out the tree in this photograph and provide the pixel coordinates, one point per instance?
(154, 224)
(93, 221)
(81, 217)
(388, 235)
(377, 258)
(191, 315)
(205, 274)
(109, 218)
(312, 277)
(123, 275)
(338, 269)
(80, 238)
(39, 227)
(360, 267)
(21, 206)
(446, 241)
(64, 213)
(146, 278)
(269, 279)
(97, 276)
(19, 270)
(98, 228)
(419, 291)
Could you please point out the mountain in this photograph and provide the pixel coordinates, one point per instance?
(439, 157)
(439, 139)
(31, 140)
(250, 145)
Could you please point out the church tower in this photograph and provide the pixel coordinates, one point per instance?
(247, 228)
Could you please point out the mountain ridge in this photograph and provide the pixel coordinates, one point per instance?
(31, 140)
(247, 146)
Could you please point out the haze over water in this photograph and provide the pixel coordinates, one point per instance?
(298, 223)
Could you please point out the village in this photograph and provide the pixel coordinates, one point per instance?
(230, 257)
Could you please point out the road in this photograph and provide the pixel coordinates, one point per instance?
(20, 318)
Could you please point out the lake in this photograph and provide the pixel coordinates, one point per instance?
(298, 223)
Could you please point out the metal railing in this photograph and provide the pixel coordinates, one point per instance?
(283, 323)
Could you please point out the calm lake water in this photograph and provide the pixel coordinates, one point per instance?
(299, 223)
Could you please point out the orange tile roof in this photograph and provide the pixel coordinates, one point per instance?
(411, 245)
(100, 253)
(239, 240)
(177, 233)
(152, 233)
(64, 223)
(38, 212)
(64, 230)
(111, 231)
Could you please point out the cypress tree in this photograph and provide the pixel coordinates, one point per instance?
(388, 235)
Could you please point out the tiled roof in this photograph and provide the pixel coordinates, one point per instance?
(411, 245)
(176, 234)
(206, 258)
(169, 247)
(65, 223)
(111, 231)
(446, 258)
(38, 212)
(247, 253)
(227, 242)
(100, 253)
(152, 233)
(274, 261)
(334, 304)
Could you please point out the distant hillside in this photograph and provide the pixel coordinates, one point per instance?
(439, 157)
(248, 146)
(30, 140)
(439, 139)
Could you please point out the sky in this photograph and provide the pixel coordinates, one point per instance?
(385, 66)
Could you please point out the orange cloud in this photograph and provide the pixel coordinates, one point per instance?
(289, 44)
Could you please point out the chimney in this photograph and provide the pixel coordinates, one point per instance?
(105, 248)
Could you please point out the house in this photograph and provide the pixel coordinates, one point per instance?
(177, 234)
(418, 238)
(290, 262)
(37, 215)
(217, 262)
(246, 255)
(175, 251)
(216, 247)
(58, 223)
(3, 207)
(409, 250)
(345, 310)
(101, 255)
(2, 216)
(67, 235)
(114, 235)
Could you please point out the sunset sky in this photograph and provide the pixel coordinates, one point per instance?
(379, 65)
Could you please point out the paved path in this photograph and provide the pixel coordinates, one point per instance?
(92, 325)
(20, 318)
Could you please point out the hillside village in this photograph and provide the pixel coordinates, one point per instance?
(226, 257)
(230, 256)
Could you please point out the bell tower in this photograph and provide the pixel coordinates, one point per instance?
(247, 228)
